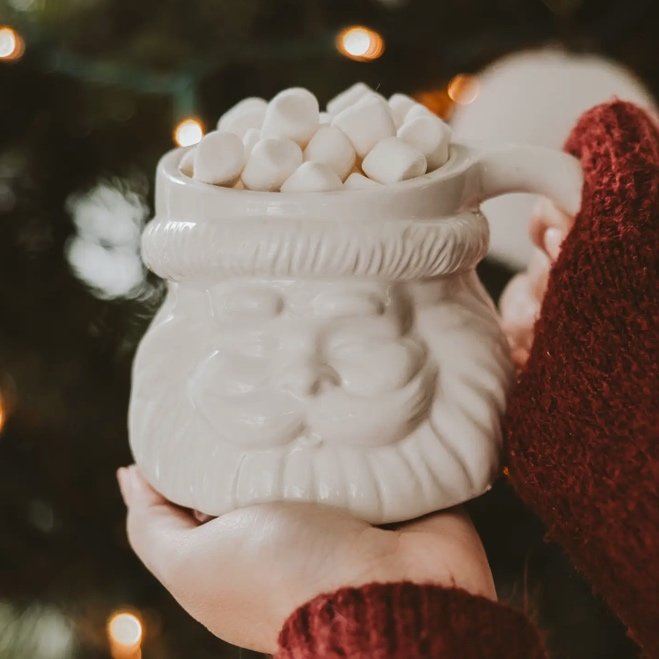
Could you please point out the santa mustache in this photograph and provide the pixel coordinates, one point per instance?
(256, 419)
(265, 419)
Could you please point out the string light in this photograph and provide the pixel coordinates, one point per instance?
(23, 5)
(188, 131)
(463, 89)
(12, 45)
(360, 43)
(125, 633)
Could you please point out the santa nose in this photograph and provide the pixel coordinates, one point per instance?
(309, 377)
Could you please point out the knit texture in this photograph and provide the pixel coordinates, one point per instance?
(582, 423)
(407, 621)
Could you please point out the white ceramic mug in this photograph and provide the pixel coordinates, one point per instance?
(330, 347)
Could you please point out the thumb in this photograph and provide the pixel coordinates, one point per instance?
(156, 529)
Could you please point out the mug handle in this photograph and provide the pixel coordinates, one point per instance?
(524, 168)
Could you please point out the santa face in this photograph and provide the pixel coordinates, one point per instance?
(311, 362)
(381, 398)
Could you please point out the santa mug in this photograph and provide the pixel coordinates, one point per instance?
(329, 347)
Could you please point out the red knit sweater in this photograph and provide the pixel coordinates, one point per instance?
(581, 427)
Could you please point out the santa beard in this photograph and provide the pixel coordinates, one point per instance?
(450, 455)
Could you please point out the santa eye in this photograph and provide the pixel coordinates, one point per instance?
(250, 303)
(242, 339)
(337, 305)
(366, 329)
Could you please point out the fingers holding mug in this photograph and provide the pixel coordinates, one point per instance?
(548, 227)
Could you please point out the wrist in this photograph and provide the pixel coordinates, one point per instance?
(422, 558)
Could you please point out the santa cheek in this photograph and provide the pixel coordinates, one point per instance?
(227, 374)
(369, 369)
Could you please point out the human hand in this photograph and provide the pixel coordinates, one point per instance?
(521, 300)
(242, 574)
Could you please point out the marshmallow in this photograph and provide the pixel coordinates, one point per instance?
(392, 160)
(312, 177)
(242, 116)
(357, 181)
(324, 118)
(250, 138)
(330, 146)
(366, 124)
(270, 163)
(370, 94)
(430, 135)
(400, 104)
(218, 158)
(347, 97)
(418, 110)
(186, 166)
(292, 114)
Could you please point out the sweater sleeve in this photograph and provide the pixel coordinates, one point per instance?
(582, 422)
(407, 621)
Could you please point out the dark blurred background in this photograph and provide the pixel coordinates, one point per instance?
(91, 93)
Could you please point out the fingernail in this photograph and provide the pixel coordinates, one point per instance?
(520, 356)
(123, 477)
(552, 241)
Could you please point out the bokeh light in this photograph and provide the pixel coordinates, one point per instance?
(188, 131)
(8, 401)
(437, 101)
(3, 412)
(463, 89)
(12, 45)
(360, 43)
(125, 632)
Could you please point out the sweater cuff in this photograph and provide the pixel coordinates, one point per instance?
(407, 621)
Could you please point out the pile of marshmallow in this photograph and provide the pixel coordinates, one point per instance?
(288, 145)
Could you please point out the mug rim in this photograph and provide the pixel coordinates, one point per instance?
(441, 193)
